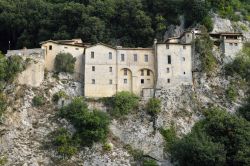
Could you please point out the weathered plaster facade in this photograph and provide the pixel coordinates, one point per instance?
(106, 70)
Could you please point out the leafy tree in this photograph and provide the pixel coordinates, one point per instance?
(219, 139)
(122, 103)
(92, 126)
(203, 47)
(65, 62)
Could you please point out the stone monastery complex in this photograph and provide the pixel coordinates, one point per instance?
(106, 70)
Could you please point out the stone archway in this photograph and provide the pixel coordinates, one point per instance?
(125, 80)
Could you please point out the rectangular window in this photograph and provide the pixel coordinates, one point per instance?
(110, 82)
(110, 69)
(236, 44)
(135, 57)
(142, 72)
(167, 46)
(92, 55)
(183, 59)
(110, 55)
(125, 72)
(230, 44)
(168, 70)
(184, 47)
(169, 59)
(184, 73)
(125, 81)
(122, 57)
(50, 47)
(168, 80)
(142, 81)
(93, 81)
(65, 47)
(77, 48)
(93, 68)
(148, 72)
(146, 58)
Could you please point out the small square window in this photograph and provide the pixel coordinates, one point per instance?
(92, 55)
(93, 81)
(125, 81)
(142, 72)
(184, 47)
(135, 57)
(142, 81)
(93, 68)
(236, 44)
(50, 47)
(122, 57)
(148, 72)
(146, 58)
(168, 80)
(168, 70)
(110, 82)
(110, 69)
(110, 55)
(184, 73)
(125, 72)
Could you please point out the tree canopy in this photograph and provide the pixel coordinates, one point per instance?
(25, 23)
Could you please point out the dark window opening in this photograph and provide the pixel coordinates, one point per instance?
(169, 59)
(142, 81)
(92, 55)
(148, 72)
(122, 57)
(93, 68)
(50, 47)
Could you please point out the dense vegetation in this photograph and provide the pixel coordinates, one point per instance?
(204, 47)
(153, 106)
(91, 126)
(122, 22)
(122, 103)
(219, 139)
(64, 62)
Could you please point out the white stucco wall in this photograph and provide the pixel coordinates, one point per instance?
(76, 52)
(102, 74)
(134, 76)
(180, 69)
(34, 74)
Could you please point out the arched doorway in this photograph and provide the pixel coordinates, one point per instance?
(125, 80)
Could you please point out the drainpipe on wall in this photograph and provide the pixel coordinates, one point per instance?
(155, 65)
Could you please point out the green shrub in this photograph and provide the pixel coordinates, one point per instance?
(59, 95)
(3, 104)
(231, 92)
(3, 160)
(10, 67)
(107, 147)
(64, 143)
(65, 62)
(204, 47)
(149, 162)
(91, 126)
(122, 103)
(241, 64)
(154, 106)
(208, 23)
(38, 101)
(169, 136)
